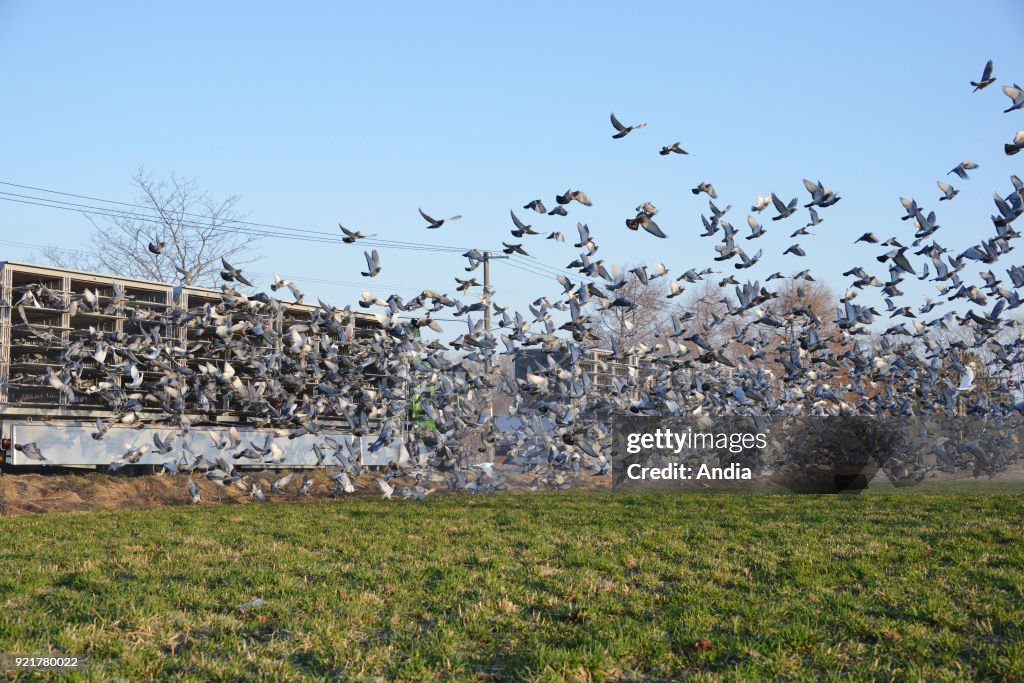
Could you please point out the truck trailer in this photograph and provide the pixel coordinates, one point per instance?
(45, 311)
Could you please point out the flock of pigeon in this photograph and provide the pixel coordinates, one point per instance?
(308, 376)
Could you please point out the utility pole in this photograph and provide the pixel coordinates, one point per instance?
(487, 327)
(487, 295)
(486, 312)
(487, 321)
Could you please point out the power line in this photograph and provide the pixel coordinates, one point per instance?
(340, 283)
(300, 278)
(153, 216)
(554, 270)
(517, 266)
(82, 208)
(116, 213)
(267, 230)
(28, 245)
(332, 236)
(321, 237)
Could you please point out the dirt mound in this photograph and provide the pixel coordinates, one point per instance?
(20, 493)
(37, 493)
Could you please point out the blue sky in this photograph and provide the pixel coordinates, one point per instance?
(327, 113)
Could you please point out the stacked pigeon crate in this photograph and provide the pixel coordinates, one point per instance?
(35, 334)
(5, 332)
(45, 312)
(87, 323)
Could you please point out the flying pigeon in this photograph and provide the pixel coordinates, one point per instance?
(1017, 145)
(372, 264)
(1016, 96)
(962, 168)
(623, 131)
(434, 223)
(674, 148)
(986, 78)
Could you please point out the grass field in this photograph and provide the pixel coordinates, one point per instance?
(593, 586)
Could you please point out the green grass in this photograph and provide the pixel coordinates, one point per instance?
(593, 586)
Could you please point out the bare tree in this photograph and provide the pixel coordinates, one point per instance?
(811, 303)
(706, 304)
(642, 322)
(196, 232)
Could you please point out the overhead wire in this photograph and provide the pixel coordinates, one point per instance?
(298, 278)
(115, 213)
(256, 229)
(321, 233)
(554, 270)
(527, 269)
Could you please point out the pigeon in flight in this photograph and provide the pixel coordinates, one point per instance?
(756, 229)
(747, 261)
(536, 205)
(435, 223)
(1016, 146)
(785, 210)
(623, 131)
(344, 482)
(966, 379)
(987, 78)
(163, 446)
(948, 191)
(350, 235)
(101, 429)
(644, 220)
(282, 483)
(367, 300)
(281, 283)
(576, 195)
(466, 285)
(910, 206)
(815, 220)
(232, 274)
(898, 257)
(820, 195)
(31, 451)
(674, 148)
(372, 264)
(514, 249)
(193, 492)
(156, 247)
(707, 188)
(521, 228)
(962, 168)
(1016, 96)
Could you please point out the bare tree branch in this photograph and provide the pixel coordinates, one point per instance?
(196, 230)
(643, 322)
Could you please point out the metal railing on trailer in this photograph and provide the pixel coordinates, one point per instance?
(68, 442)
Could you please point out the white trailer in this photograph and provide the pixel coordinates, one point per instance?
(69, 443)
(38, 323)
